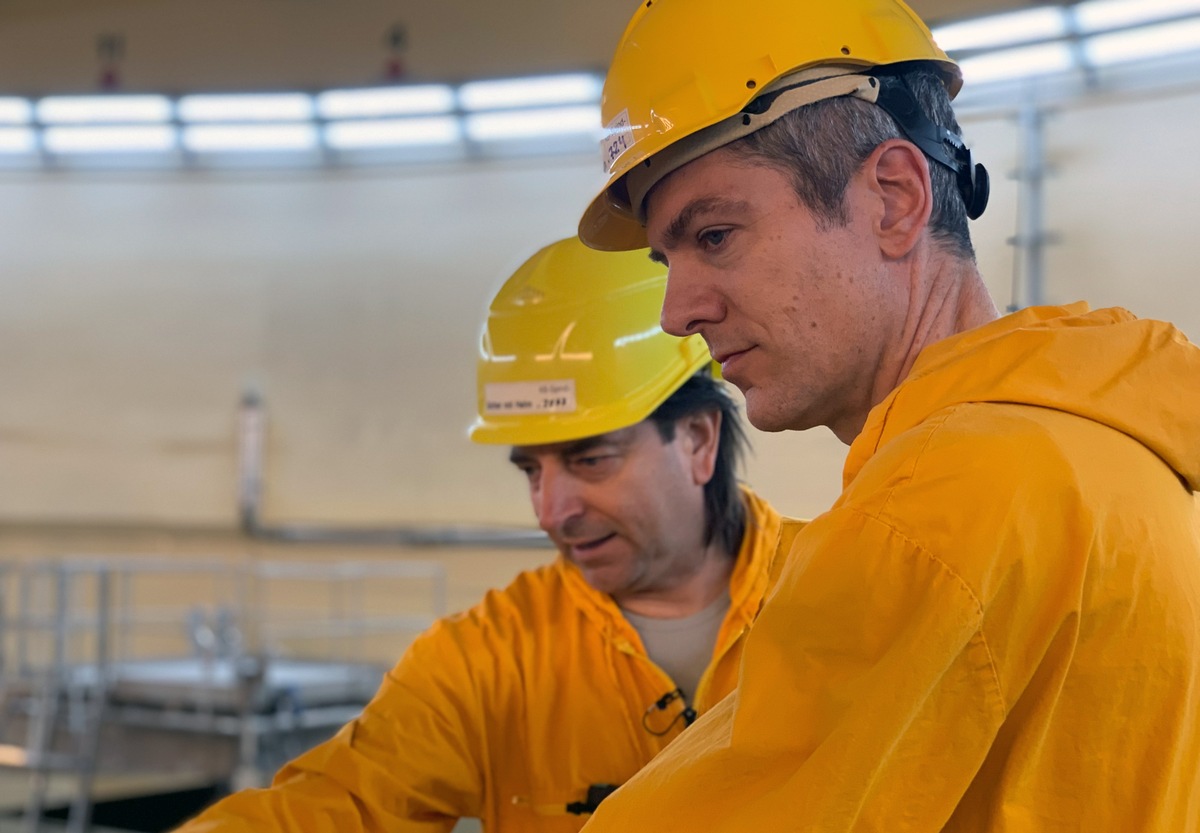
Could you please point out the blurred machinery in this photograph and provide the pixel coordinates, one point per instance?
(219, 671)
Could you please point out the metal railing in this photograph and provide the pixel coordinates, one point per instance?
(261, 658)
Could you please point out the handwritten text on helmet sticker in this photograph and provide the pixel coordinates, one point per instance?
(618, 137)
(556, 396)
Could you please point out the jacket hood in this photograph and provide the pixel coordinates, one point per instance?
(1137, 376)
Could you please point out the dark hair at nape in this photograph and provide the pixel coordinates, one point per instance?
(724, 510)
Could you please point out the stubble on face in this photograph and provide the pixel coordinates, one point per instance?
(637, 519)
(784, 297)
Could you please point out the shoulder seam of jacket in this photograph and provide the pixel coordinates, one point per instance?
(931, 425)
(936, 423)
(963, 585)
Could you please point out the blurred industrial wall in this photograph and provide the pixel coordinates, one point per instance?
(136, 307)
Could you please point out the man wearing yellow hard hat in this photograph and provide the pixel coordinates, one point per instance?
(529, 709)
(996, 627)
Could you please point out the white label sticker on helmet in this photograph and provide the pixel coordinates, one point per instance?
(618, 138)
(551, 397)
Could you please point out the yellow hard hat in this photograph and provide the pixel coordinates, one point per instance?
(684, 67)
(572, 348)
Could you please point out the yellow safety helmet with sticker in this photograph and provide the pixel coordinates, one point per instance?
(692, 75)
(572, 348)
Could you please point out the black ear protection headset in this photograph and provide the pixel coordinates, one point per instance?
(938, 143)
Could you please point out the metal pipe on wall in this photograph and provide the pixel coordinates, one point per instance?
(252, 426)
(1031, 238)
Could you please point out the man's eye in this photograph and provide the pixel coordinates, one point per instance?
(713, 238)
(593, 464)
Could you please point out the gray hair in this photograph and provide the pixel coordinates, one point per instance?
(821, 146)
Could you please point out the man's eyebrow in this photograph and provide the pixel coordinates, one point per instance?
(683, 221)
(520, 454)
(587, 444)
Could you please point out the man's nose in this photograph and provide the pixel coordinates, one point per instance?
(687, 305)
(556, 499)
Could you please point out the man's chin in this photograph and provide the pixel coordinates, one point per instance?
(766, 423)
(602, 579)
(764, 414)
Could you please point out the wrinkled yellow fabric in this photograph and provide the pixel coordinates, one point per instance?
(997, 625)
(507, 712)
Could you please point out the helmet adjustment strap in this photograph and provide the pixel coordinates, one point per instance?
(765, 109)
(939, 144)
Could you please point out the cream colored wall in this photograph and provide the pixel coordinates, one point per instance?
(1120, 201)
(1125, 203)
(136, 307)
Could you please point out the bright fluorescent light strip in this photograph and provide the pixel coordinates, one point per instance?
(15, 111)
(1011, 64)
(1003, 29)
(17, 140)
(533, 124)
(103, 109)
(108, 139)
(529, 92)
(385, 101)
(1147, 42)
(1096, 15)
(255, 138)
(393, 133)
(248, 107)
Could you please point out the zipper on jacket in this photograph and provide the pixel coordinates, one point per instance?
(705, 683)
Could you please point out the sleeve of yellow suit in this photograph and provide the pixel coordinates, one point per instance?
(868, 700)
(408, 764)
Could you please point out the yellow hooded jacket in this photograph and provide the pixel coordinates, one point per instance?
(507, 712)
(997, 625)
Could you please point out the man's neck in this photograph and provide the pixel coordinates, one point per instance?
(946, 296)
(687, 594)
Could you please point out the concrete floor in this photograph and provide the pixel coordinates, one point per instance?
(14, 789)
(61, 827)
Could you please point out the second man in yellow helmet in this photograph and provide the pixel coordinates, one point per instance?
(529, 709)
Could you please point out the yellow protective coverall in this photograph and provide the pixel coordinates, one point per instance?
(507, 712)
(997, 625)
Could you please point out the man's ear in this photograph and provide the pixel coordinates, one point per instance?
(700, 434)
(897, 173)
